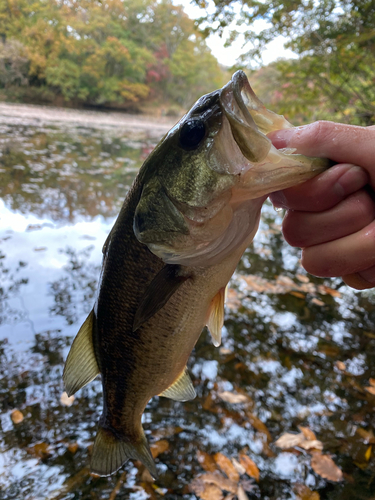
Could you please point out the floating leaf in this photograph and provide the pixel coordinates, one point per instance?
(232, 397)
(66, 400)
(226, 466)
(340, 365)
(249, 466)
(289, 440)
(324, 466)
(241, 495)
(159, 447)
(16, 416)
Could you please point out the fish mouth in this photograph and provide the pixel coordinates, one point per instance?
(268, 169)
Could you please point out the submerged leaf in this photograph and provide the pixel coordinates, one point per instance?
(206, 461)
(305, 439)
(233, 398)
(325, 467)
(159, 447)
(66, 400)
(303, 492)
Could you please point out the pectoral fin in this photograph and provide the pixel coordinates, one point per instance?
(81, 366)
(182, 388)
(161, 288)
(216, 316)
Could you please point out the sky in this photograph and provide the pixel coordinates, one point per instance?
(228, 55)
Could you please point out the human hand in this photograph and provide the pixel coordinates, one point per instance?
(332, 216)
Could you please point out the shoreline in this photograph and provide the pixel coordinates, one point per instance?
(32, 114)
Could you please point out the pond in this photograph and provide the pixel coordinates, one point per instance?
(297, 358)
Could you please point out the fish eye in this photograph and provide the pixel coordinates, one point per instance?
(192, 133)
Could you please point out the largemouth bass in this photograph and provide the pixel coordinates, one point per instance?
(190, 214)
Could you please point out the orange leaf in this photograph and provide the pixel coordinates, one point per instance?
(308, 433)
(159, 447)
(226, 466)
(206, 461)
(16, 416)
(304, 493)
(259, 425)
(250, 467)
(325, 467)
(370, 389)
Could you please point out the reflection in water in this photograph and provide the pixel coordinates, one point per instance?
(297, 350)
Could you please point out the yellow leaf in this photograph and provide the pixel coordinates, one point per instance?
(368, 453)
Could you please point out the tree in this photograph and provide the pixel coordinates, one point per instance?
(335, 40)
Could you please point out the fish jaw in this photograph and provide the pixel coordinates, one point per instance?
(261, 168)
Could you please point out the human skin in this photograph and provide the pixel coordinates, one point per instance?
(332, 216)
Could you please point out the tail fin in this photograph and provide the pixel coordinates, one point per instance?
(110, 453)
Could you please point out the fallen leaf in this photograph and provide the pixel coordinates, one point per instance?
(159, 447)
(372, 381)
(249, 466)
(289, 440)
(299, 295)
(16, 416)
(259, 425)
(324, 466)
(367, 436)
(226, 466)
(206, 461)
(340, 365)
(329, 291)
(233, 398)
(219, 480)
(241, 495)
(239, 468)
(66, 400)
(368, 453)
(303, 492)
(308, 433)
(370, 389)
(303, 278)
(39, 450)
(317, 302)
(73, 447)
(232, 301)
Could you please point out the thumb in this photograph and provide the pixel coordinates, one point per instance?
(337, 141)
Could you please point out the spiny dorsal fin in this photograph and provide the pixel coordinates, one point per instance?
(160, 290)
(81, 366)
(215, 320)
(110, 453)
(182, 388)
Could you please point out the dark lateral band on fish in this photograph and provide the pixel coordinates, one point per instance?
(191, 212)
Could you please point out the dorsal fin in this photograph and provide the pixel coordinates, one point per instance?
(182, 388)
(81, 366)
(215, 320)
(161, 288)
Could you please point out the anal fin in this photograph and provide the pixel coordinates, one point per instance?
(110, 453)
(182, 388)
(215, 320)
(160, 290)
(81, 366)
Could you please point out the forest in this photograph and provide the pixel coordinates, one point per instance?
(133, 54)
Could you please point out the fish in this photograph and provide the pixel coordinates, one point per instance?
(188, 217)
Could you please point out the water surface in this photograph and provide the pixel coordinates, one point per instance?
(299, 350)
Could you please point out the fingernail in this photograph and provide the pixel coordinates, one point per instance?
(282, 138)
(278, 200)
(350, 181)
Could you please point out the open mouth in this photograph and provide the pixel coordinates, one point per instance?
(250, 120)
